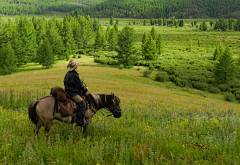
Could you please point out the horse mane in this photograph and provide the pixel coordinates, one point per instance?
(99, 101)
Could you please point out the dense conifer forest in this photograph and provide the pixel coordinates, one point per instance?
(127, 8)
(164, 8)
(17, 7)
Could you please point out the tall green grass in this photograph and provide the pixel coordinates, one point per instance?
(150, 132)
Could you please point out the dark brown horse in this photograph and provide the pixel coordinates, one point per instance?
(42, 111)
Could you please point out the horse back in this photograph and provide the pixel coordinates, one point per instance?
(45, 108)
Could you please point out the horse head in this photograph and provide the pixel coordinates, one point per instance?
(114, 106)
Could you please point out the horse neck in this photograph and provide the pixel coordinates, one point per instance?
(101, 101)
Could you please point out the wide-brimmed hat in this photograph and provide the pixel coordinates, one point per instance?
(72, 65)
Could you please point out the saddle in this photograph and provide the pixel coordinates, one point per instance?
(66, 105)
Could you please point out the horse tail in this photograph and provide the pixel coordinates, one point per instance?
(32, 111)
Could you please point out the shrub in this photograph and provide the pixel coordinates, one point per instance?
(234, 90)
(151, 67)
(200, 85)
(214, 90)
(237, 95)
(162, 76)
(234, 84)
(121, 66)
(79, 56)
(181, 83)
(229, 97)
(223, 87)
(81, 51)
(90, 50)
(147, 73)
(106, 60)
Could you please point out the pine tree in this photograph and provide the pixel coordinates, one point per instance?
(152, 21)
(55, 40)
(68, 40)
(217, 25)
(107, 33)
(7, 59)
(224, 70)
(181, 23)
(111, 20)
(216, 54)
(116, 28)
(40, 29)
(95, 24)
(153, 33)
(144, 40)
(112, 40)
(18, 48)
(86, 32)
(164, 22)
(28, 37)
(204, 26)
(126, 49)
(219, 50)
(100, 39)
(237, 25)
(144, 22)
(150, 50)
(159, 44)
(211, 23)
(45, 53)
(160, 21)
(10, 33)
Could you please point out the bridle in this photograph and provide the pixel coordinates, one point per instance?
(112, 113)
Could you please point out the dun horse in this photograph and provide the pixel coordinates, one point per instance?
(42, 111)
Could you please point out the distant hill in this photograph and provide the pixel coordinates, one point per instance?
(164, 9)
(17, 7)
(127, 8)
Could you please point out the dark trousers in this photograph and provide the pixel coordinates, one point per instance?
(81, 106)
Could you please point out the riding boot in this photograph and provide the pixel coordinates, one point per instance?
(80, 114)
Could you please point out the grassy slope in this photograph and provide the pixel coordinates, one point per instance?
(160, 124)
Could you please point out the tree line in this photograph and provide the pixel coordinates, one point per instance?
(43, 41)
(180, 9)
(161, 9)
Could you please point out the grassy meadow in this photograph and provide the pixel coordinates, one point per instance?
(160, 124)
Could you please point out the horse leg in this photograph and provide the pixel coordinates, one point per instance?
(47, 128)
(38, 126)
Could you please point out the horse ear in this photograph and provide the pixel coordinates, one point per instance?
(112, 95)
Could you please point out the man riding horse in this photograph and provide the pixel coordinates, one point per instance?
(74, 86)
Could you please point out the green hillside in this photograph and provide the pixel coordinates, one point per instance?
(16, 7)
(126, 8)
(163, 8)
